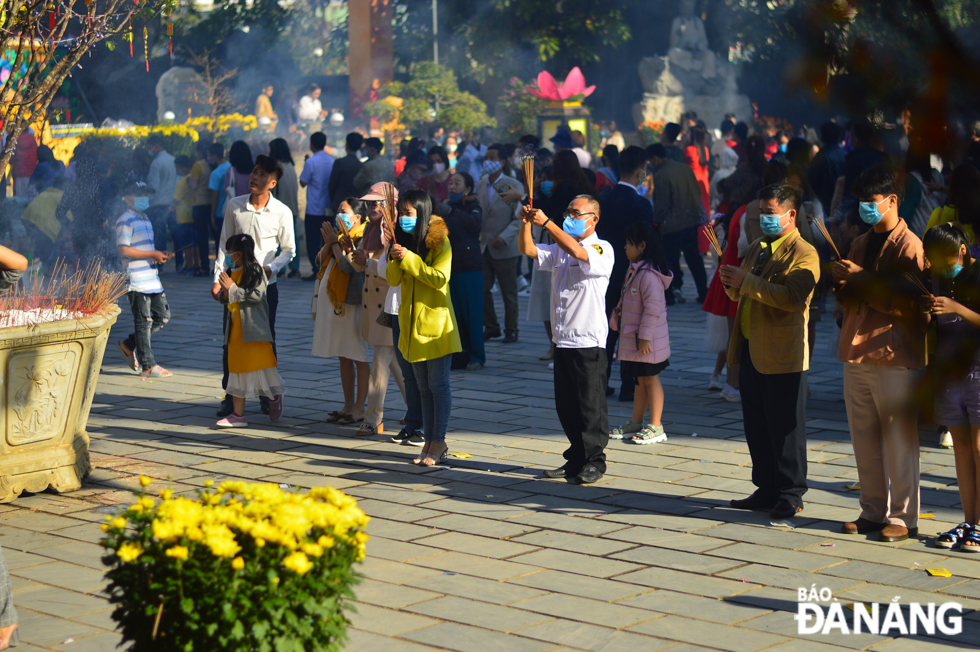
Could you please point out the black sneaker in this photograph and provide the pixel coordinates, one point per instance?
(402, 436)
(264, 403)
(588, 475)
(227, 407)
(416, 439)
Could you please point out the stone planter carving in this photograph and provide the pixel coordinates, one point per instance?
(49, 373)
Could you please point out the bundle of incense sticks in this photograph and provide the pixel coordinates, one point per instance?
(826, 236)
(917, 282)
(528, 162)
(345, 234)
(712, 239)
(390, 209)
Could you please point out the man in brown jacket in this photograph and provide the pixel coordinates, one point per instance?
(773, 288)
(882, 344)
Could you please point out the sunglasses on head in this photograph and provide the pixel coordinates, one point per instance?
(373, 203)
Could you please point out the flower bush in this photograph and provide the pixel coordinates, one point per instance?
(651, 130)
(115, 146)
(219, 126)
(242, 568)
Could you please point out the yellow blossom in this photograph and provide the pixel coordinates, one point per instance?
(298, 563)
(312, 549)
(166, 494)
(147, 502)
(275, 580)
(209, 483)
(177, 552)
(136, 509)
(118, 523)
(145, 481)
(105, 528)
(238, 563)
(260, 543)
(129, 552)
(325, 541)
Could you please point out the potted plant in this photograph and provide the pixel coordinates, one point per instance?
(239, 568)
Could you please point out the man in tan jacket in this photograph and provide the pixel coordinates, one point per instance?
(773, 288)
(882, 344)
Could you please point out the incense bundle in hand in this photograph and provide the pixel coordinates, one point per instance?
(528, 162)
(390, 209)
(713, 239)
(826, 236)
(344, 234)
(917, 282)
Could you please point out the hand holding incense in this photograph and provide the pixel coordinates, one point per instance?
(712, 239)
(528, 162)
(826, 236)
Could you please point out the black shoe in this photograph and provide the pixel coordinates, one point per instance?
(402, 436)
(510, 338)
(785, 509)
(489, 335)
(755, 502)
(626, 398)
(561, 472)
(227, 407)
(669, 299)
(264, 404)
(416, 439)
(311, 277)
(610, 391)
(293, 274)
(588, 475)
(281, 273)
(701, 299)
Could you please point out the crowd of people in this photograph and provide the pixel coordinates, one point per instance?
(839, 221)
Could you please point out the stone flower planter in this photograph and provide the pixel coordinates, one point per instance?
(48, 374)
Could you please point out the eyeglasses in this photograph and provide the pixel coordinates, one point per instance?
(373, 203)
(576, 216)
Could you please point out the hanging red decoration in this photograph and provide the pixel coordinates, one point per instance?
(130, 36)
(50, 19)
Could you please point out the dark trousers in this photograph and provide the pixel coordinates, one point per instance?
(505, 271)
(466, 293)
(272, 296)
(159, 217)
(202, 227)
(413, 397)
(686, 241)
(774, 416)
(628, 386)
(150, 313)
(314, 240)
(580, 399)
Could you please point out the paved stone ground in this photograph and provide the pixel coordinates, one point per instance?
(482, 555)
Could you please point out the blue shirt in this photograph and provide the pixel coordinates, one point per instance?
(134, 230)
(217, 182)
(316, 176)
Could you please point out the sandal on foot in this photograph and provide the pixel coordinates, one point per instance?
(625, 432)
(422, 455)
(436, 461)
(334, 416)
(973, 536)
(131, 361)
(156, 372)
(348, 419)
(953, 538)
(650, 434)
(365, 430)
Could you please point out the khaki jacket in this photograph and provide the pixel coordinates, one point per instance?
(882, 323)
(781, 300)
(500, 219)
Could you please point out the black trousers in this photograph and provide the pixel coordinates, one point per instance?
(686, 241)
(628, 386)
(580, 399)
(774, 415)
(202, 227)
(314, 240)
(272, 296)
(151, 312)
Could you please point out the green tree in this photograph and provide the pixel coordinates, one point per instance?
(433, 95)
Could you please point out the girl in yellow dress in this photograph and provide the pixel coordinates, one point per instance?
(251, 360)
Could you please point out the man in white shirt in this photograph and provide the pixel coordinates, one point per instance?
(270, 223)
(580, 265)
(162, 177)
(310, 111)
(316, 179)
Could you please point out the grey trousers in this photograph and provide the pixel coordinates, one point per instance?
(503, 270)
(8, 614)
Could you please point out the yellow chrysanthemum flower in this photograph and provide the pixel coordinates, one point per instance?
(166, 494)
(177, 552)
(129, 552)
(118, 523)
(238, 563)
(298, 563)
(145, 481)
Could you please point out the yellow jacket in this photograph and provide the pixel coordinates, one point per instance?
(426, 317)
(778, 318)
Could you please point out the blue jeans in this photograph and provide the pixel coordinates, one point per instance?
(185, 235)
(432, 377)
(466, 292)
(413, 415)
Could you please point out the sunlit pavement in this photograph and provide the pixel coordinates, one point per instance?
(481, 554)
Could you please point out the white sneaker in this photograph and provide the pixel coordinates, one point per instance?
(734, 396)
(551, 365)
(724, 391)
(715, 382)
(521, 283)
(945, 439)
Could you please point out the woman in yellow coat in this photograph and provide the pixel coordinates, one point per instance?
(420, 260)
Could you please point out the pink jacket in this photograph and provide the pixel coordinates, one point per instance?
(644, 316)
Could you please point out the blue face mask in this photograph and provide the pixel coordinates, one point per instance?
(868, 210)
(953, 271)
(141, 203)
(783, 147)
(546, 187)
(573, 227)
(455, 197)
(769, 224)
(642, 190)
(407, 223)
(347, 218)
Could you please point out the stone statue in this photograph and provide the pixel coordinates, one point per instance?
(689, 43)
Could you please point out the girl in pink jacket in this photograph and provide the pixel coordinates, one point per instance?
(644, 343)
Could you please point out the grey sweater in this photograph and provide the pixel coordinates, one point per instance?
(254, 311)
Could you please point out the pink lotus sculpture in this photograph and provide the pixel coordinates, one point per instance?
(574, 87)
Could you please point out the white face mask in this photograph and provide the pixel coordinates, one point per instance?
(438, 168)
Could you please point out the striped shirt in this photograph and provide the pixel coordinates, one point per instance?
(134, 230)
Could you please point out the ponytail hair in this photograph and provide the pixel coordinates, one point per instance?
(946, 240)
(653, 253)
(252, 272)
